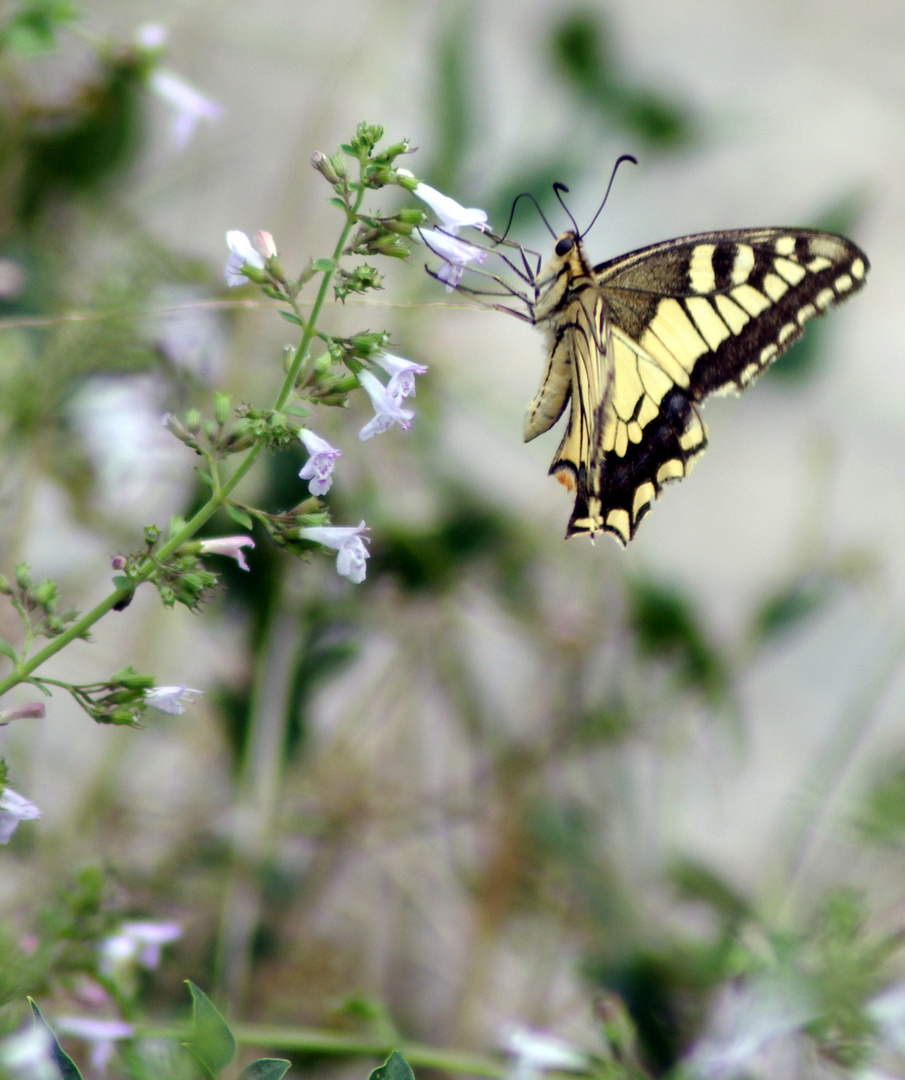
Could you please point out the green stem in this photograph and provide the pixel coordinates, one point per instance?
(316, 1041)
(22, 670)
(289, 383)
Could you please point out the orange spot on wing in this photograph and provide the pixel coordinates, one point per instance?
(565, 477)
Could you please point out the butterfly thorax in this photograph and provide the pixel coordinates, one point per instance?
(560, 282)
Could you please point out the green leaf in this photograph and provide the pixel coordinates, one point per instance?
(32, 30)
(67, 1067)
(291, 317)
(8, 650)
(394, 1068)
(668, 626)
(265, 1069)
(211, 1044)
(239, 515)
(324, 265)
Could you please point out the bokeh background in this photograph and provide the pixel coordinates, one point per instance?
(507, 773)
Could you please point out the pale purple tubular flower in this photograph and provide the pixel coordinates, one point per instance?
(452, 215)
(387, 409)
(190, 107)
(26, 711)
(13, 809)
(402, 374)
(170, 699)
(136, 943)
(348, 542)
(455, 253)
(99, 1034)
(318, 469)
(147, 938)
(228, 545)
(242, 252)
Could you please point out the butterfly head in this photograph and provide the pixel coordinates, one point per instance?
(565, 244)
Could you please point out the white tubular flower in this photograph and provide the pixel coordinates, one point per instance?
(387, 410)
(402, 375)
(534, 1052)
(137, 942)
(190, 107)
(452, 216)
(318, 469)
(13, 809)
(170, 699)
(99, 1034)
(228, 545)
(348, 542)
(28, 1054)
(456, 255)
(243, 251)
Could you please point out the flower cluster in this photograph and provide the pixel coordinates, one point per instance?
(364, 356)
(445, 242)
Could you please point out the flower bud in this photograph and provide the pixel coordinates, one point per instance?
(323, 364)
(25, 711)
(331, 168)
(46, 593)
(118, 562)
(395, 150)
(221, 407)
(23, 575)
(264, 245)
(193, 420)
(120, 716)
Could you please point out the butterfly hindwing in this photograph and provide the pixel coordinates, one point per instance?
(637, 342)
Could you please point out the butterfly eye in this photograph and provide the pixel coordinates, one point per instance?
(564, 246)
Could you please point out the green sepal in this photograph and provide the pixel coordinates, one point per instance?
(265, 1069)
(212, 1044)
(239, 515)
(67, 1067)
(324, 265)
(8, 650)
(290, 316)
(394, 1068)
(297, 410)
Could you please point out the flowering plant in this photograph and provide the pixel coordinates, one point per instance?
(321, 369)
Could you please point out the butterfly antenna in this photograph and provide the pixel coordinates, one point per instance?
(619, 161)
(527, 195)
(558, 188)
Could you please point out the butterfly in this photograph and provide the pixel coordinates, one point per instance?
(636, 344)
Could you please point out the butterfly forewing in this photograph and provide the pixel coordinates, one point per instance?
(637, 342)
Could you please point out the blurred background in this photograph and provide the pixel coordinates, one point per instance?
(507, 774)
